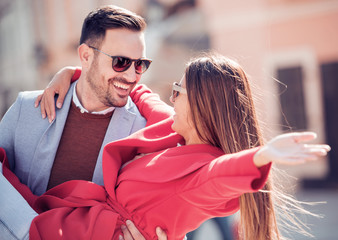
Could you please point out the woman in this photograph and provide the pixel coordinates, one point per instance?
(180, 187)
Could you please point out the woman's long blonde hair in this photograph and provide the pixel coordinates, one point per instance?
(223, 113)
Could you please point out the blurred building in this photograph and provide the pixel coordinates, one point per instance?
(289, 49)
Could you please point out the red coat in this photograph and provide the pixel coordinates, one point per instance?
(176, 188)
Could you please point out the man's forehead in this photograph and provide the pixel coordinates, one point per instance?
(124, 42)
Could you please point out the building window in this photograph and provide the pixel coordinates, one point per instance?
(329, 72)
(293, 113)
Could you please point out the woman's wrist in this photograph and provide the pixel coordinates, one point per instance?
(260, 158)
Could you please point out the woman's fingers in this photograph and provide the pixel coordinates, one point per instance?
(303, 136)
(314, 147)
(50, 103)
(291, 148)
(59, 85)
(38, 100)
(306, 154)
(46, 101)
(42, 107)
(60, 100)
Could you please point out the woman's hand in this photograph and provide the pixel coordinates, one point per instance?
(290, 149)
(59, 85)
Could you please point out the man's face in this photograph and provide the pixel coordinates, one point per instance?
(110, 87)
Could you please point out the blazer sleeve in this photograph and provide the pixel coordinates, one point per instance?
(7, 130)
(224, 179)
(24, 191)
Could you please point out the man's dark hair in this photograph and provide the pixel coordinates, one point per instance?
(109, 17)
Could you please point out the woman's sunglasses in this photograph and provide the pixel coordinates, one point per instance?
(177, 89)
(121, 64)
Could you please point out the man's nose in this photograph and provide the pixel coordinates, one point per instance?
(130, 74)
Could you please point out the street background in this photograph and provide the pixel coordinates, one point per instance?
(322, 228)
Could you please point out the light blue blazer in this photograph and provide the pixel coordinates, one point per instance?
(31, 142)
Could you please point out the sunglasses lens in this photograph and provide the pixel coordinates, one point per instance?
(175, 94)
(141, 66)
(120, 64)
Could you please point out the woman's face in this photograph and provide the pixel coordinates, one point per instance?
(182, 119)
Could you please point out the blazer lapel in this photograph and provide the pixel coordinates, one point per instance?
(120, 126)
(46, 150)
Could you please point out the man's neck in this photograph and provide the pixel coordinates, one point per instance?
(87, 98)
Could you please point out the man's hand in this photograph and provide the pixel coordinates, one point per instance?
(130, 232)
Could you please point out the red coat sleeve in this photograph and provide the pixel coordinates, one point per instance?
(76, 74)
(150, 105)
(224, 179)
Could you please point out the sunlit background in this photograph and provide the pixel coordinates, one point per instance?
(288, 47)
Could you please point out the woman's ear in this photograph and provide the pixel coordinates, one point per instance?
(86, 55)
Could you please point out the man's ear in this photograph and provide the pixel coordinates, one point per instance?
(86, 55)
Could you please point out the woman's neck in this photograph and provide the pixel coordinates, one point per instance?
(193, 139)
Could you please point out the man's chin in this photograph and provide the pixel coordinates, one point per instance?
(119, 103)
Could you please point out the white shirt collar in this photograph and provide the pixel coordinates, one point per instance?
(82, 109)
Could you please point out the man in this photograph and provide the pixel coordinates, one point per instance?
(97, 110)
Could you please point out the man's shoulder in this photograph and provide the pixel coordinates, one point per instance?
(131, 107)
(24, 105)
(140, 121)
(29, 95)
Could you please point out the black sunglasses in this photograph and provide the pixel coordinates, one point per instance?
(121, 64)
(177, 89)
